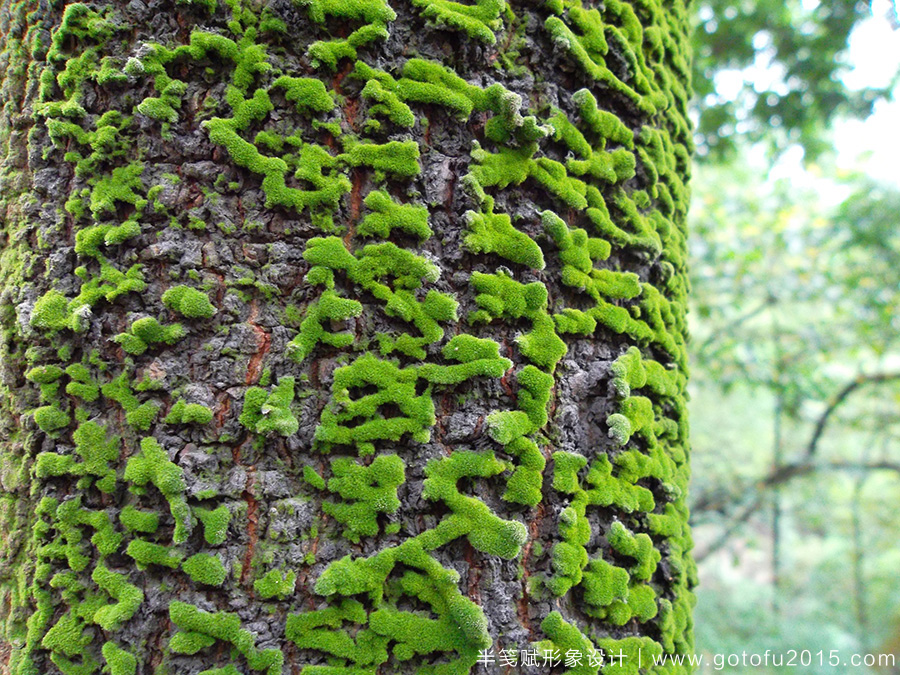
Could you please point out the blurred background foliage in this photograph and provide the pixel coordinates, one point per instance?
(796, 361)
(770, 71)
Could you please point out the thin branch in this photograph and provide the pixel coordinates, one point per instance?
(736, 523)
(730, 326)
(783, 475)
(806, 466)
(836, 402)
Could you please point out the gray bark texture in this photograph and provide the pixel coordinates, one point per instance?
(343, 337)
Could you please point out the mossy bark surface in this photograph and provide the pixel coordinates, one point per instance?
(343, 337)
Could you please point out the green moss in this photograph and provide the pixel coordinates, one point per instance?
(190, 642)
(79, 25)
(478, 21)
(524, 486)
(188, 302)
(66, 636)
(604, 583)
(354, 422)
(466, 348)
(44, 374)
(374, 15)
(578, 252)
(96, 452)
(215, 523)
(493, 233)
(612, 167)
(276, 584)
(314, 164)
(148, 331)
(507, 425)
(162, 109)
(508, 124)
(306, 93)
(431, 82)
(121, 233)
(142, 417)
(542, 346)
(397, 158)
(514, 166)
(311, 166)
(618, 490)
(381, 89)
(564, 637)
(329, 308)
(198, 226)
(139, 415)
(119, 661)
(371, 267)
(570, 560)
(587, 51)
(499, 295)
(119, 186)
(486, 532)
(313, 478)
(387, 214)
(109, 285)
(206, 569)
(152, 465)
(640, 605)
(189, 413)
(316, 629)
(199, 627)
(330, 52)
(51, 312)
(139, 521)
(372, 11)
(129, 598)
(50, 418)
(460, 627)
(82, 385)
(266, 412)
(72, 514)
(637, 414)
(366, 491)
(631, 371)
(640, 547)
(147, 553)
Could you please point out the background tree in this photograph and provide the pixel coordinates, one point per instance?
(794, 318)
(785, 64)
(793, 497)
(343, 337)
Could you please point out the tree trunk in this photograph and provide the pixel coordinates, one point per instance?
(343, 338)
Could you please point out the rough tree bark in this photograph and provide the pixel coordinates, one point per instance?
(343, 336)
